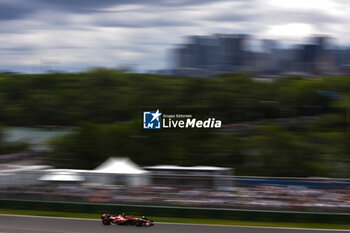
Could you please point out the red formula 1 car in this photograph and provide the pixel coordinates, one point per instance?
(123, 219)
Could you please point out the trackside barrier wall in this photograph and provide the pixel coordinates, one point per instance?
(178, 212)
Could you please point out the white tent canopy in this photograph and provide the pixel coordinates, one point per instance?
(116, 165)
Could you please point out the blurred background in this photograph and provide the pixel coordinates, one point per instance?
(77, 76)
(283, 144)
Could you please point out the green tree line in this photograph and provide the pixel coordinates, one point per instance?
(106, 107)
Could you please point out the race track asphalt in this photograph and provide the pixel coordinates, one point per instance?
(32, 224)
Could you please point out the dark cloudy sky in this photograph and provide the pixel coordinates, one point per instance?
(77, 34)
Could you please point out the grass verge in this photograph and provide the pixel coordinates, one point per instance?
(183, 220)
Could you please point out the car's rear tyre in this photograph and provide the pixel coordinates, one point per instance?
(105, 221)
(130, 222)
(138, 223)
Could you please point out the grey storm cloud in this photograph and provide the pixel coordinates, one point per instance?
(82, 5)
(273, 16)
(16, 9)
(10, 11)
(140, 20)
(29, 9)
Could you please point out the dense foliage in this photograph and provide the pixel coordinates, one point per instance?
(266, 131)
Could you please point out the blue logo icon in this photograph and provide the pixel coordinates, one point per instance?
(151, 120)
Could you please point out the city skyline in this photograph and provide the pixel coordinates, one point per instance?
(204, 56)
(38, 35)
